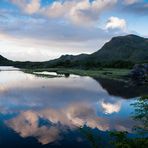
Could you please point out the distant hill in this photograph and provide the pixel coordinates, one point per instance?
(121, 51)
(4, 61)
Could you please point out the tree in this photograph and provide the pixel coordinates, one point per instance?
(141, 114)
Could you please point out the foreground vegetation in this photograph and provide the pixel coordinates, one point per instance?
(109, 73)
(121, 139)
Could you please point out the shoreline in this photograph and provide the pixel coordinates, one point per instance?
(107, 73)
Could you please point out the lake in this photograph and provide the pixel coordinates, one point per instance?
(45, 112)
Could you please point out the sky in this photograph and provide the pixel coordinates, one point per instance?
(40, 30)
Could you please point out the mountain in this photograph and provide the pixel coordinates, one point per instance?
(127, 48)
(4, 61)
(68, 60)
(121, 51)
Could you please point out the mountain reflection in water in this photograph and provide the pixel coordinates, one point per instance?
(45, 108)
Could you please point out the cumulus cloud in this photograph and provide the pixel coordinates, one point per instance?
(86, 13)
(57, 9)
(78, 12)
(30, 7)
(116, 23)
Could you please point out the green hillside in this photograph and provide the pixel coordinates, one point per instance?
(4, 61)
(119, 52)
(127, 48)
(122, 51)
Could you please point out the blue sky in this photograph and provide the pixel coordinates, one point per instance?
(39, 30)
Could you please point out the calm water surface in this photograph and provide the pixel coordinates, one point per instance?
(48, 112)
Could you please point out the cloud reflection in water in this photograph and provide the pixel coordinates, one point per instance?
(65, 103)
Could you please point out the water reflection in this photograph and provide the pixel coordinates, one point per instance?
(110, 108)
(8, 68)
(77, 115)
(121, 88)
(46, 108)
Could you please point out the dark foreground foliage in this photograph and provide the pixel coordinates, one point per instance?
(121, 139)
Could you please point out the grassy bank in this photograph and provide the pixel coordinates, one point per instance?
(109, 73)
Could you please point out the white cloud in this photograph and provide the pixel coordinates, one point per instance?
(116, 23)
(54, 10)
(81, 12)
(30, 7)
